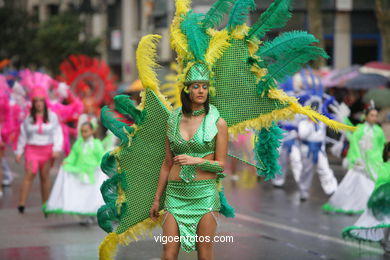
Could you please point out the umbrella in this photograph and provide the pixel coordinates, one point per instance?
(366, 81)
(339, 77)
(381, 97)
(375, 67)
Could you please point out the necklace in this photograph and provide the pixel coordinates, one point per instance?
(198, 112)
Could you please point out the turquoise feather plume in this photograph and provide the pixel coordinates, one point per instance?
(284, 43)
(198, 40)
(215, 15)
(108, 164)
(226, 209)
(276, 16)
(239, 13)
(287, 64)
(118, 128)
(266, 150)
(126, 106)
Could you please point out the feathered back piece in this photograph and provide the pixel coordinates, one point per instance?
(244, 69)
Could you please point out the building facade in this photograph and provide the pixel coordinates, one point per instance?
(351, 33)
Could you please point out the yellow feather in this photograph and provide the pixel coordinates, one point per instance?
(259, 72)
(178, 40)
(182, 7)
(108, 248)
(146, 55)
(219, 42)
(313, 115)
(239, 32)
(263, 121)
(253, 45)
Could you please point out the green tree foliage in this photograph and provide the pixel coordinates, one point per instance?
(17, 35)
(59, 37)
(28, 43)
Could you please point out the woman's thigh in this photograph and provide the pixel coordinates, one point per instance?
(170, 231)
(207, 228)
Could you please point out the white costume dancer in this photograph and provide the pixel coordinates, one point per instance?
(313, 154)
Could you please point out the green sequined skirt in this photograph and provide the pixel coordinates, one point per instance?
(188, 202)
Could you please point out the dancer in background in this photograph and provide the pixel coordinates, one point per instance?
(41, 141)
(366, 146)
(76, 190)
(374, 224)
(1, 170)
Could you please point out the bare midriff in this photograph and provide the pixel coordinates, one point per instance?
(200, 175)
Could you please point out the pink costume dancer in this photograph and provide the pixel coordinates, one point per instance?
(41, 140)
(65, 113)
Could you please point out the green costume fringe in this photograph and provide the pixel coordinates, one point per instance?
(266, 150)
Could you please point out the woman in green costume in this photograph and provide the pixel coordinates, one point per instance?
(76, 189)
(374, 224)
(196, 148)
(365, 152)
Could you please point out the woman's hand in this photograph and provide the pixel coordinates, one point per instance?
(56, 155)
(184, 159)
(18, 158)
(154, 210)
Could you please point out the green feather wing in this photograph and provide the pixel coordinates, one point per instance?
(239, 13)
(118, 128)
(138, 168)
(215, 15)
(284, 43)
(276, 16)
(126, 106)
(287, 64)
(198, 40)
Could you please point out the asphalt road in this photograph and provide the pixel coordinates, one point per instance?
(270, 224)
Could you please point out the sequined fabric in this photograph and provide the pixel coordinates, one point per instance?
(188, 203)
(200, 145)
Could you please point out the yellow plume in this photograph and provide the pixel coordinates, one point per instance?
(178, 39)
(313, 115)
(182, 7)
(108, 248)
(218, 43)
(146, 55)
(239, 32)
(253, 45)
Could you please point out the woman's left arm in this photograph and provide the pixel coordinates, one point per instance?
(216, 165)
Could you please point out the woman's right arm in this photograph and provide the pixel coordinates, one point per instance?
(22, 140)
(162, 180)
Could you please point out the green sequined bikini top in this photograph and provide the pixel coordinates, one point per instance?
(200, 145)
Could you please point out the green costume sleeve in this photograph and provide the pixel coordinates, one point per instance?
(354, 149)
(71, 159)
(98, 149)
(210, 167)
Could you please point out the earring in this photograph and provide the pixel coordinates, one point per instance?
(186, 90)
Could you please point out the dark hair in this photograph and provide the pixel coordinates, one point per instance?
(386, 152)
(88, 124)
(186, 103)
(368, 110)
(34, 113)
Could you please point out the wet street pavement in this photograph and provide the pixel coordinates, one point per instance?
(270, 223)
